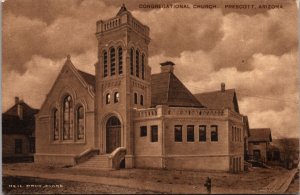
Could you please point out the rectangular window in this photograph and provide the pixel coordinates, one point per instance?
(214, 133)
(137, 63)
(18, 146)
(202, 133)
(105, 64)
(120, 60)
(235, 134)
(190, 133)
(154, 133)
(143, 66)
(178, 133)
(232, 133)
(112, 61)
(143, 131)
(131, 61)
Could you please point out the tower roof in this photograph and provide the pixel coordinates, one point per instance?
(167, 89)
(122, 10)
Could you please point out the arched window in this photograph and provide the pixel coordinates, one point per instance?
(55, 123)
(142, 100)
(80, 122)
(143, 66)
(107, 98)
(137, 63)
(135, 98)
(120, 60)
(131, 61)
(67, 118)
(117, 97)
(104, 64)
(112, 61)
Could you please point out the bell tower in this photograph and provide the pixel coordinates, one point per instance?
(122, 81)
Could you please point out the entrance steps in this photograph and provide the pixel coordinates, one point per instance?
(103, 161)
(96, 162)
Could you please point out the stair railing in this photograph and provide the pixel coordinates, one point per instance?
(116, 157)
(85, 155)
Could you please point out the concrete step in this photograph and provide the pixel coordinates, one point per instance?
(95, 162)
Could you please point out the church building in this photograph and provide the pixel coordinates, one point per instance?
(124, 116)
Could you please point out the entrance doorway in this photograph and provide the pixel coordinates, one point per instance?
(113, 134)
(256, 154)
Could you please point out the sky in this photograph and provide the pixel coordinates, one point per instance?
(254, 51)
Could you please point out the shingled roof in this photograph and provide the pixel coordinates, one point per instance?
(89, 78)
(219, 99)
(13, 124)
(167, 89)
(260, 135)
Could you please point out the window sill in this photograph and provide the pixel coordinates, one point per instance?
(69, 142)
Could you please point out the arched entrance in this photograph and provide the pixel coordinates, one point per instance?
(113, 134)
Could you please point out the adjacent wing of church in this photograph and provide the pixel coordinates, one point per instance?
(126, 117)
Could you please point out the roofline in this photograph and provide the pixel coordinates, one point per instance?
(215, 91)
(259, 128)
(69, 63)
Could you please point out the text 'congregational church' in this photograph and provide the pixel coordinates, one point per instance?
(124, 116)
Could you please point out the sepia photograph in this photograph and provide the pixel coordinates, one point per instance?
(150, 97)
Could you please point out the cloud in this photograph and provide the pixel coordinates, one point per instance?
(177, 31)
(33, 85)
(40, 74)
(284, 123)
(24, 37)
(256, 53)
(274, 33)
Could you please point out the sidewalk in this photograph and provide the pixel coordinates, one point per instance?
(129, 183)
(281, 184)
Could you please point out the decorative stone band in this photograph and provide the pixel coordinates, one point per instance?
(184, 112)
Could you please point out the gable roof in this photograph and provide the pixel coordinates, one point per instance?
(167, 89)
(27, 110)
(219, 99)
(13, 124)
(260, 135)
(85, 79)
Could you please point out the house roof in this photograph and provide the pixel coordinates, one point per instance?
(13, 124)
(167, 89)
(219, 99)
(27, 110)
(260, 135)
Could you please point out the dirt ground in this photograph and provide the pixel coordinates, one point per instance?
(294, 187)
(254, 179)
